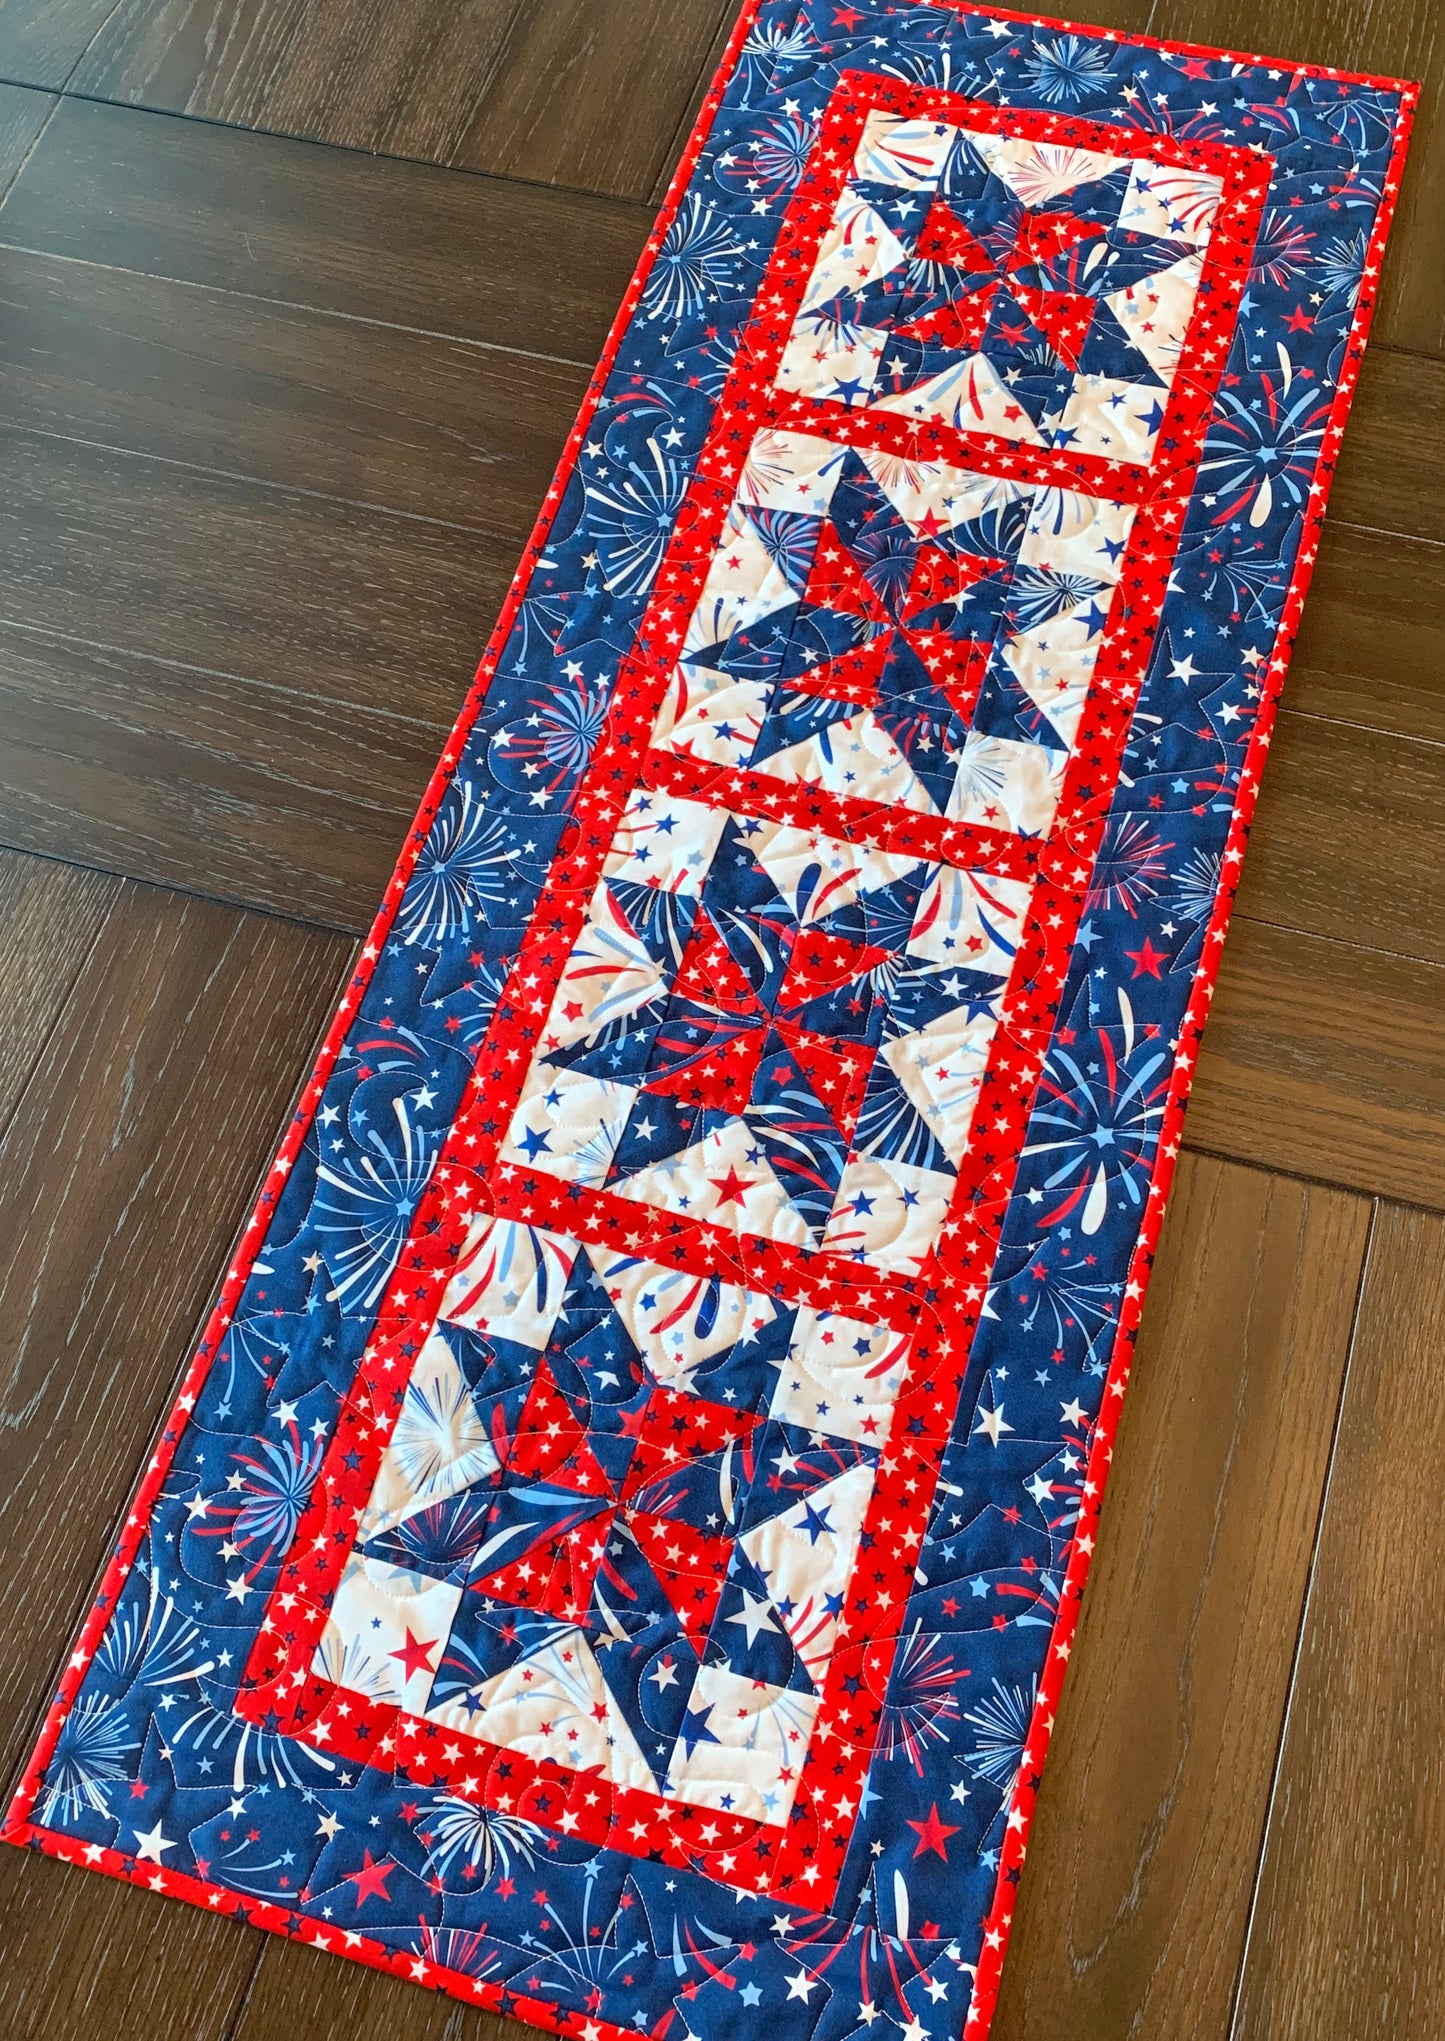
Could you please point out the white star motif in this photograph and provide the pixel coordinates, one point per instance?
(149, 1843)
(991, 1423)
(755, 1615)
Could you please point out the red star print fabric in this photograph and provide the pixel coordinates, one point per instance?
(616, 1550)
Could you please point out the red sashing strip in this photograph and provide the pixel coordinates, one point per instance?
(906, 831)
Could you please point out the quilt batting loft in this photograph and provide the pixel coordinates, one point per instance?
(616, 1550)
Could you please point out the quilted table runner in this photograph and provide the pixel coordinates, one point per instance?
(616, 1550)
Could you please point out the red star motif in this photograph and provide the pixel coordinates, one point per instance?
(370, 1880)
(416, 1655)
(1147, 960)
(932, 1834)
(731, 1188)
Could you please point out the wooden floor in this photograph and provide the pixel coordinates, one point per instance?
(282, 380)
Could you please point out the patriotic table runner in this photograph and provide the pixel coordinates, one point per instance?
(615, 1552)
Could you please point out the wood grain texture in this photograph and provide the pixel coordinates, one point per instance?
(1349, 837)
(88, 1957)
(687, 116)
(50, 916)
(220, 575)
(1371, 648)
(292, 396)
(339, 602)
(366, 74)
(327, 228)
(296, 1989)
(434, 427)
(1133, 1906)
(201, 780)
(586, 93)
(591, 92)
(23, 115)
(1322, 1057)
(124, 1174)
(41, 41)
(1388, 478)
(1346, 1938)
(480, 83)
(1325, 1059)
(122, 553)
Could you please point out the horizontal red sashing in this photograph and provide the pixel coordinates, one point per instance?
(970, 846)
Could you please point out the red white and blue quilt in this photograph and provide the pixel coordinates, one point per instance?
(616, 1550)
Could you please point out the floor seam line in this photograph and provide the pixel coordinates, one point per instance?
(35, 141)
(203, 120)
(8, 1121)
(222, 290)
(1297, 1652)
(422, 724)
(1366, 1193)
(238, 475)
(1243, 914)
(233, 2025)
(234, 906)
(91, 41)
(1288, 708)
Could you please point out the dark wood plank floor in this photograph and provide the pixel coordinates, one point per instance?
(281, 385)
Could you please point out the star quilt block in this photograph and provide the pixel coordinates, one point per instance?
(1033, 289)
(617, 1534)
(616, 1549)
(773, 1030)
